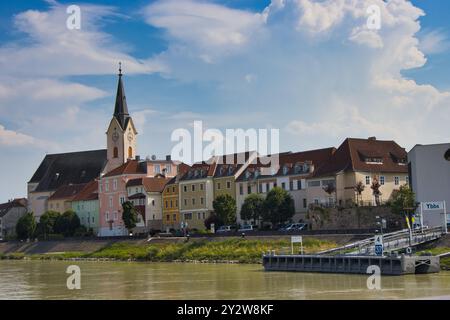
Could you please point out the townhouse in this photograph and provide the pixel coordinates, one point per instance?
(61, 200)
(10, 213)
(85, 204)
(146, 195)
(368, 162)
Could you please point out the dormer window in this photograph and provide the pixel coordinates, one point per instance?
(305, 167)
(247, 174)
(373, 160)
(256, 174)
(230, 170)
(285, 170)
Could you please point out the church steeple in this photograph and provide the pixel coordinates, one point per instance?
(121, 108)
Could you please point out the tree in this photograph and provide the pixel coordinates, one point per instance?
(67, 223)
(403, 199)
(129, 216)
(376, 190)
(213, 218)
(278, 206)
(225, 208)
(47, 223)
(252, 208)
(359, 188)
(26, 226)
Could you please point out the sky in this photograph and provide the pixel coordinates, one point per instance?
(310, 68)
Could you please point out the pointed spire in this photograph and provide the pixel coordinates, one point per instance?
(121, 108)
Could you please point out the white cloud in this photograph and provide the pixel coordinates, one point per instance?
(435, 41)
(10, 138)
(320, 69)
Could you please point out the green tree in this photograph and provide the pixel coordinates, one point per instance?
(359, 188)
(278, 207)
(213, 218)
(67, 223)
(252, 208)
(47, 223)
(225, 208)
(26, 226)
(403, 199)
(129, 215)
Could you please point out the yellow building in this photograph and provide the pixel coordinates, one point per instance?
(171, 211)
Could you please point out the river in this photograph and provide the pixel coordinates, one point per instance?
(133, 280)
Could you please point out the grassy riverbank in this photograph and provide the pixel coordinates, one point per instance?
(233, 250)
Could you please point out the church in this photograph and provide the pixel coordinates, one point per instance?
(80, 168)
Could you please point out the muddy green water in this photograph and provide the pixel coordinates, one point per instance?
(120, 280)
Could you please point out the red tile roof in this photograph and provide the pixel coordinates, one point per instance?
(350, 156)
(130, 167)
(67, 192)
(155, 184)
(89, 192)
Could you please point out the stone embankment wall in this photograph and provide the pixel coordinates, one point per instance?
(353, 218)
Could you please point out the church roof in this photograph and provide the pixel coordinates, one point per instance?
(57, 170)
(121, 107)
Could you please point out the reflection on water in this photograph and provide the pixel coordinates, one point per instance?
(117, 280)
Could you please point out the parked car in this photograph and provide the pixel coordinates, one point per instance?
(246, 228)
(296, 227)
(224, 229)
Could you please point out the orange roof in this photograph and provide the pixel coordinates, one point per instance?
(89, 192)
(67, 192)
(155, 184)
(130, 167)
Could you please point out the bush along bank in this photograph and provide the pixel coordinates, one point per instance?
(233, 250)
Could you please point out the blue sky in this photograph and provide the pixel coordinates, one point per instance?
(310, 68)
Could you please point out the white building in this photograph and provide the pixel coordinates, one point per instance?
(429, 171)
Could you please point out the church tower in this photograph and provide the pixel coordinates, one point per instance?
(121, 134)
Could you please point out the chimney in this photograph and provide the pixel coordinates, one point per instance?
(372, 138)
(169, 158)
(138, 158)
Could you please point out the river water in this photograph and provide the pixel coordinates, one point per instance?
(121, 280)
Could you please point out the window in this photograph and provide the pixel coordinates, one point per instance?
(367, 180)
(193, 201)
(115, 216)
(267, 187)
(168, 217)
(176, 203)
(185, 202)
(167, 204)
(171, 203)
(201, 186)
(193, 187)
(137, 190)
(168, 168)
(204, 215)
(283, 185)
(382, 180)
(228, 185)
(116, 152)
(198, 215)
(304, 203)
(260, 188)
(218, 185)
(110, 202)
(107, 216)
(249, 189)
(122, 200)
(299, 184)
(107, 186)
(396, 181)
(185, 188)
(316, 201)
(447, 155)
(291, 185)
(407, 179)
(201, 200)
(157, 169)
(241, 189)
(153, 202)
(314, 184)
(130, 152)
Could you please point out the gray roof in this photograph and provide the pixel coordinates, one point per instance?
(6, 207)
(57, 170)
(121, 108)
